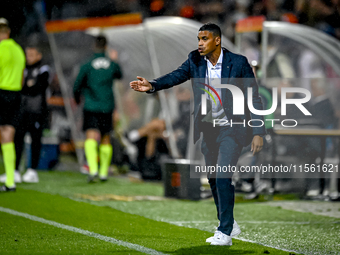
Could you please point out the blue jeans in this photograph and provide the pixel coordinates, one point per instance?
(219, 147)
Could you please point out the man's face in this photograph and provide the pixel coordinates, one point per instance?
(32, 56)
(207, 42)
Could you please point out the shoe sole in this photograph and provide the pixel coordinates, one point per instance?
(6, 189)
(208, 241)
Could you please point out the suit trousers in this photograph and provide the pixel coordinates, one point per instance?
(221, 150)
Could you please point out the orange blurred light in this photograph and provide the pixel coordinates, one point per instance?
(187, 12)
(156, 5)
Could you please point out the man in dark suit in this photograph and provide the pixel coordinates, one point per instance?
(222, 143)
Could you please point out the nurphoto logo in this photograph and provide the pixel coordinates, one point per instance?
(238, 103)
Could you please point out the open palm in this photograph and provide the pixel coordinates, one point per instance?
(141, 84)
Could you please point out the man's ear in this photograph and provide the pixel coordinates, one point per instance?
(218, 40)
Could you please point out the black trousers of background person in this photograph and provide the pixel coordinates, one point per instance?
(32, 123)
(219, 147)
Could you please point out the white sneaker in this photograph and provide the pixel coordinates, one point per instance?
(17, 177)
(210, 239)
(221, 239)
(30, 176)
(235, 232)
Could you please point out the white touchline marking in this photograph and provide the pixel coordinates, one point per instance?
(194, 222)
(266, 245)
(256, 222)
(288, 222)
(84, 232)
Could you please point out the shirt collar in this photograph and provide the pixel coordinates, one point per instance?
(220, 58)
(99, 54)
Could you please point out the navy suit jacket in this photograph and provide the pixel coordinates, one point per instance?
(234, 67)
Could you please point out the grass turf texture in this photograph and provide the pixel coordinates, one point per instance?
(23, 236)
(106, 221)
(260, 223)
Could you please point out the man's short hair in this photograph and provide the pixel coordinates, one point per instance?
(100, 42)
(4, 28)
(213, 28)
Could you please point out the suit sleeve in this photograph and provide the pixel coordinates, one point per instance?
(79, 83)
(178, 76)
(249, 81)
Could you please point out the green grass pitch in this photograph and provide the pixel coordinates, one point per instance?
(165, 226)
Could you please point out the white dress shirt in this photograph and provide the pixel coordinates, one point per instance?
(215, 111)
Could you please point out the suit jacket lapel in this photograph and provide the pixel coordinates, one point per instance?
(226, 65)
(225, 75)
(202, 70)
(198, 82)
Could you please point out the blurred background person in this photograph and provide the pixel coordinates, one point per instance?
(12, 65)
(94, 82)
(33, 110)
(181, 125)
(151, 146)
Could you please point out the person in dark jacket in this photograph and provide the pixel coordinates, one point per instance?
(33, 110)
(94, 82)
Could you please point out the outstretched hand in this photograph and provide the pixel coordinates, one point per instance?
(256, 144)
(141, 85)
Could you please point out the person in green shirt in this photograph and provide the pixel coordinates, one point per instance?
(12, 65)
(94, 82)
